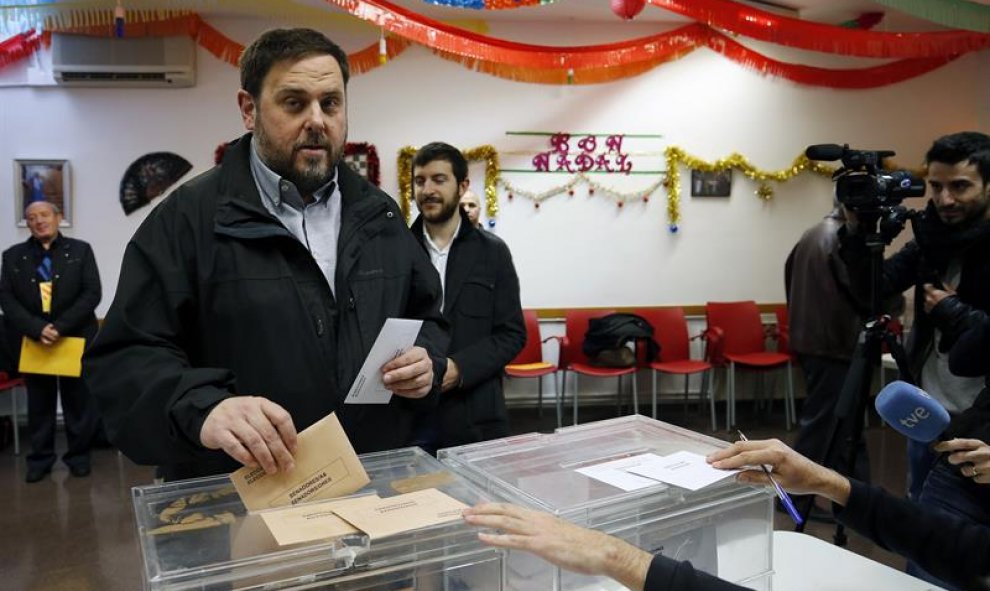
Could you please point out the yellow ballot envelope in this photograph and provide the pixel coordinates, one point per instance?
(64, 358)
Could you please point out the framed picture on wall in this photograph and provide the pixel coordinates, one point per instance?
(42, 180)
(711, 184)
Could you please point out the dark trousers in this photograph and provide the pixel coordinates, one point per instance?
(824, 378)
(78, 410)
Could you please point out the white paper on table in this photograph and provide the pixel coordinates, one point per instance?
(684, 469)
(616, 473)
(396, 337)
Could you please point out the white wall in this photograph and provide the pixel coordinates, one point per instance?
(575, 251)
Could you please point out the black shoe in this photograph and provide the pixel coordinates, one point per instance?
(36, 473)
(79, 471)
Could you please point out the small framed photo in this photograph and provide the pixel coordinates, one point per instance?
(711, 184)
(42, 180)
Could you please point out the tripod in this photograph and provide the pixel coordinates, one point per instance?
(851, 405)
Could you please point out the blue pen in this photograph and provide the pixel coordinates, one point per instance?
(781, 493)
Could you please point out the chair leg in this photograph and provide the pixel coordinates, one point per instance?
(559, 402)
(687, 378)
(563, 390)
(575, 401)
(635, 389)
(708, 388)
(618, 398)
(539, 397)
(730, 401)
(654, 393)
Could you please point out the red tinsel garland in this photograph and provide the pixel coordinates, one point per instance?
(204, 34)
(759, 24)
(872, 77)
(21, 45)
(523, 62)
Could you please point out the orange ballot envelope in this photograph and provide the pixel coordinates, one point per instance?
(326, 467)
(64, 358)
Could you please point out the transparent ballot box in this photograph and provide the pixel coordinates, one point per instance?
(724, 528)
(196, 534)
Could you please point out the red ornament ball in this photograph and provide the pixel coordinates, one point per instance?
(627, 9)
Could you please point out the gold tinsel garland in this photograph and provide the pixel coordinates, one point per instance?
(486, 154)
(677, 157)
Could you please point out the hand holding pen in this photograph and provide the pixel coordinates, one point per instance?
(785, 499)
(790, 470)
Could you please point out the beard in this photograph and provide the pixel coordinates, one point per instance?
(307, 174)
(449, 208)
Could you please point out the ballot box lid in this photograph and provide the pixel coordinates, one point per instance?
(549, 471)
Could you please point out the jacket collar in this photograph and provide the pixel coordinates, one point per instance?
(466, 231)
(241, 214)
(463, 255)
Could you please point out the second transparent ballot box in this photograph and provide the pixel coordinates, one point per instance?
(724, 528)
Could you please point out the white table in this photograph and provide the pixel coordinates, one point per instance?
(805, 563)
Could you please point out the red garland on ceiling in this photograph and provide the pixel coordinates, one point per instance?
(759, 24)
(21, 45)
(528, 63)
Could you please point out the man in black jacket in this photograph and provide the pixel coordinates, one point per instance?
(481, 303)
(948, 267)
(249, 299)
(49, 288)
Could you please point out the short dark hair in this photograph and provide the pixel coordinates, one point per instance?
(441, 151)
(277, 45)
(971, 146)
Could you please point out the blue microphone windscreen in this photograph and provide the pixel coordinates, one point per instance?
(911, 411)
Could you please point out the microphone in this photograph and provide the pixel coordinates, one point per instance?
(825, 152)
(911, 411)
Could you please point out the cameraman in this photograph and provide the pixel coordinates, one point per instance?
(948, 266)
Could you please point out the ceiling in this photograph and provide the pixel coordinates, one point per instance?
(563, 11)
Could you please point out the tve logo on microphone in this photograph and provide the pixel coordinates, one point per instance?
(912, 412)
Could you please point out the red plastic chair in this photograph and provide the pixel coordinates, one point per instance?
(572, 357)
(670, 330)
(742, 342)
(12, 384)
(529, 363)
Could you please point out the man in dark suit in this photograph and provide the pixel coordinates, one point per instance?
(49, 289)
(480, 301)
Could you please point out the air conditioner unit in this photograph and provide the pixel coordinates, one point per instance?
(79, 60)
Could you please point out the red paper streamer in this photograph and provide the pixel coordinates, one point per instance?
(517, 61)
(21, 45)
(759, 24)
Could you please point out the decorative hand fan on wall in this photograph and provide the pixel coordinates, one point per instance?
(148, 177)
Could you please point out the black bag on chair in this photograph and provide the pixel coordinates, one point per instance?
(606, 339)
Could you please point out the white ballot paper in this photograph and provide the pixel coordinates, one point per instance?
(684, 469)
(396, 337)
(615, 472)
